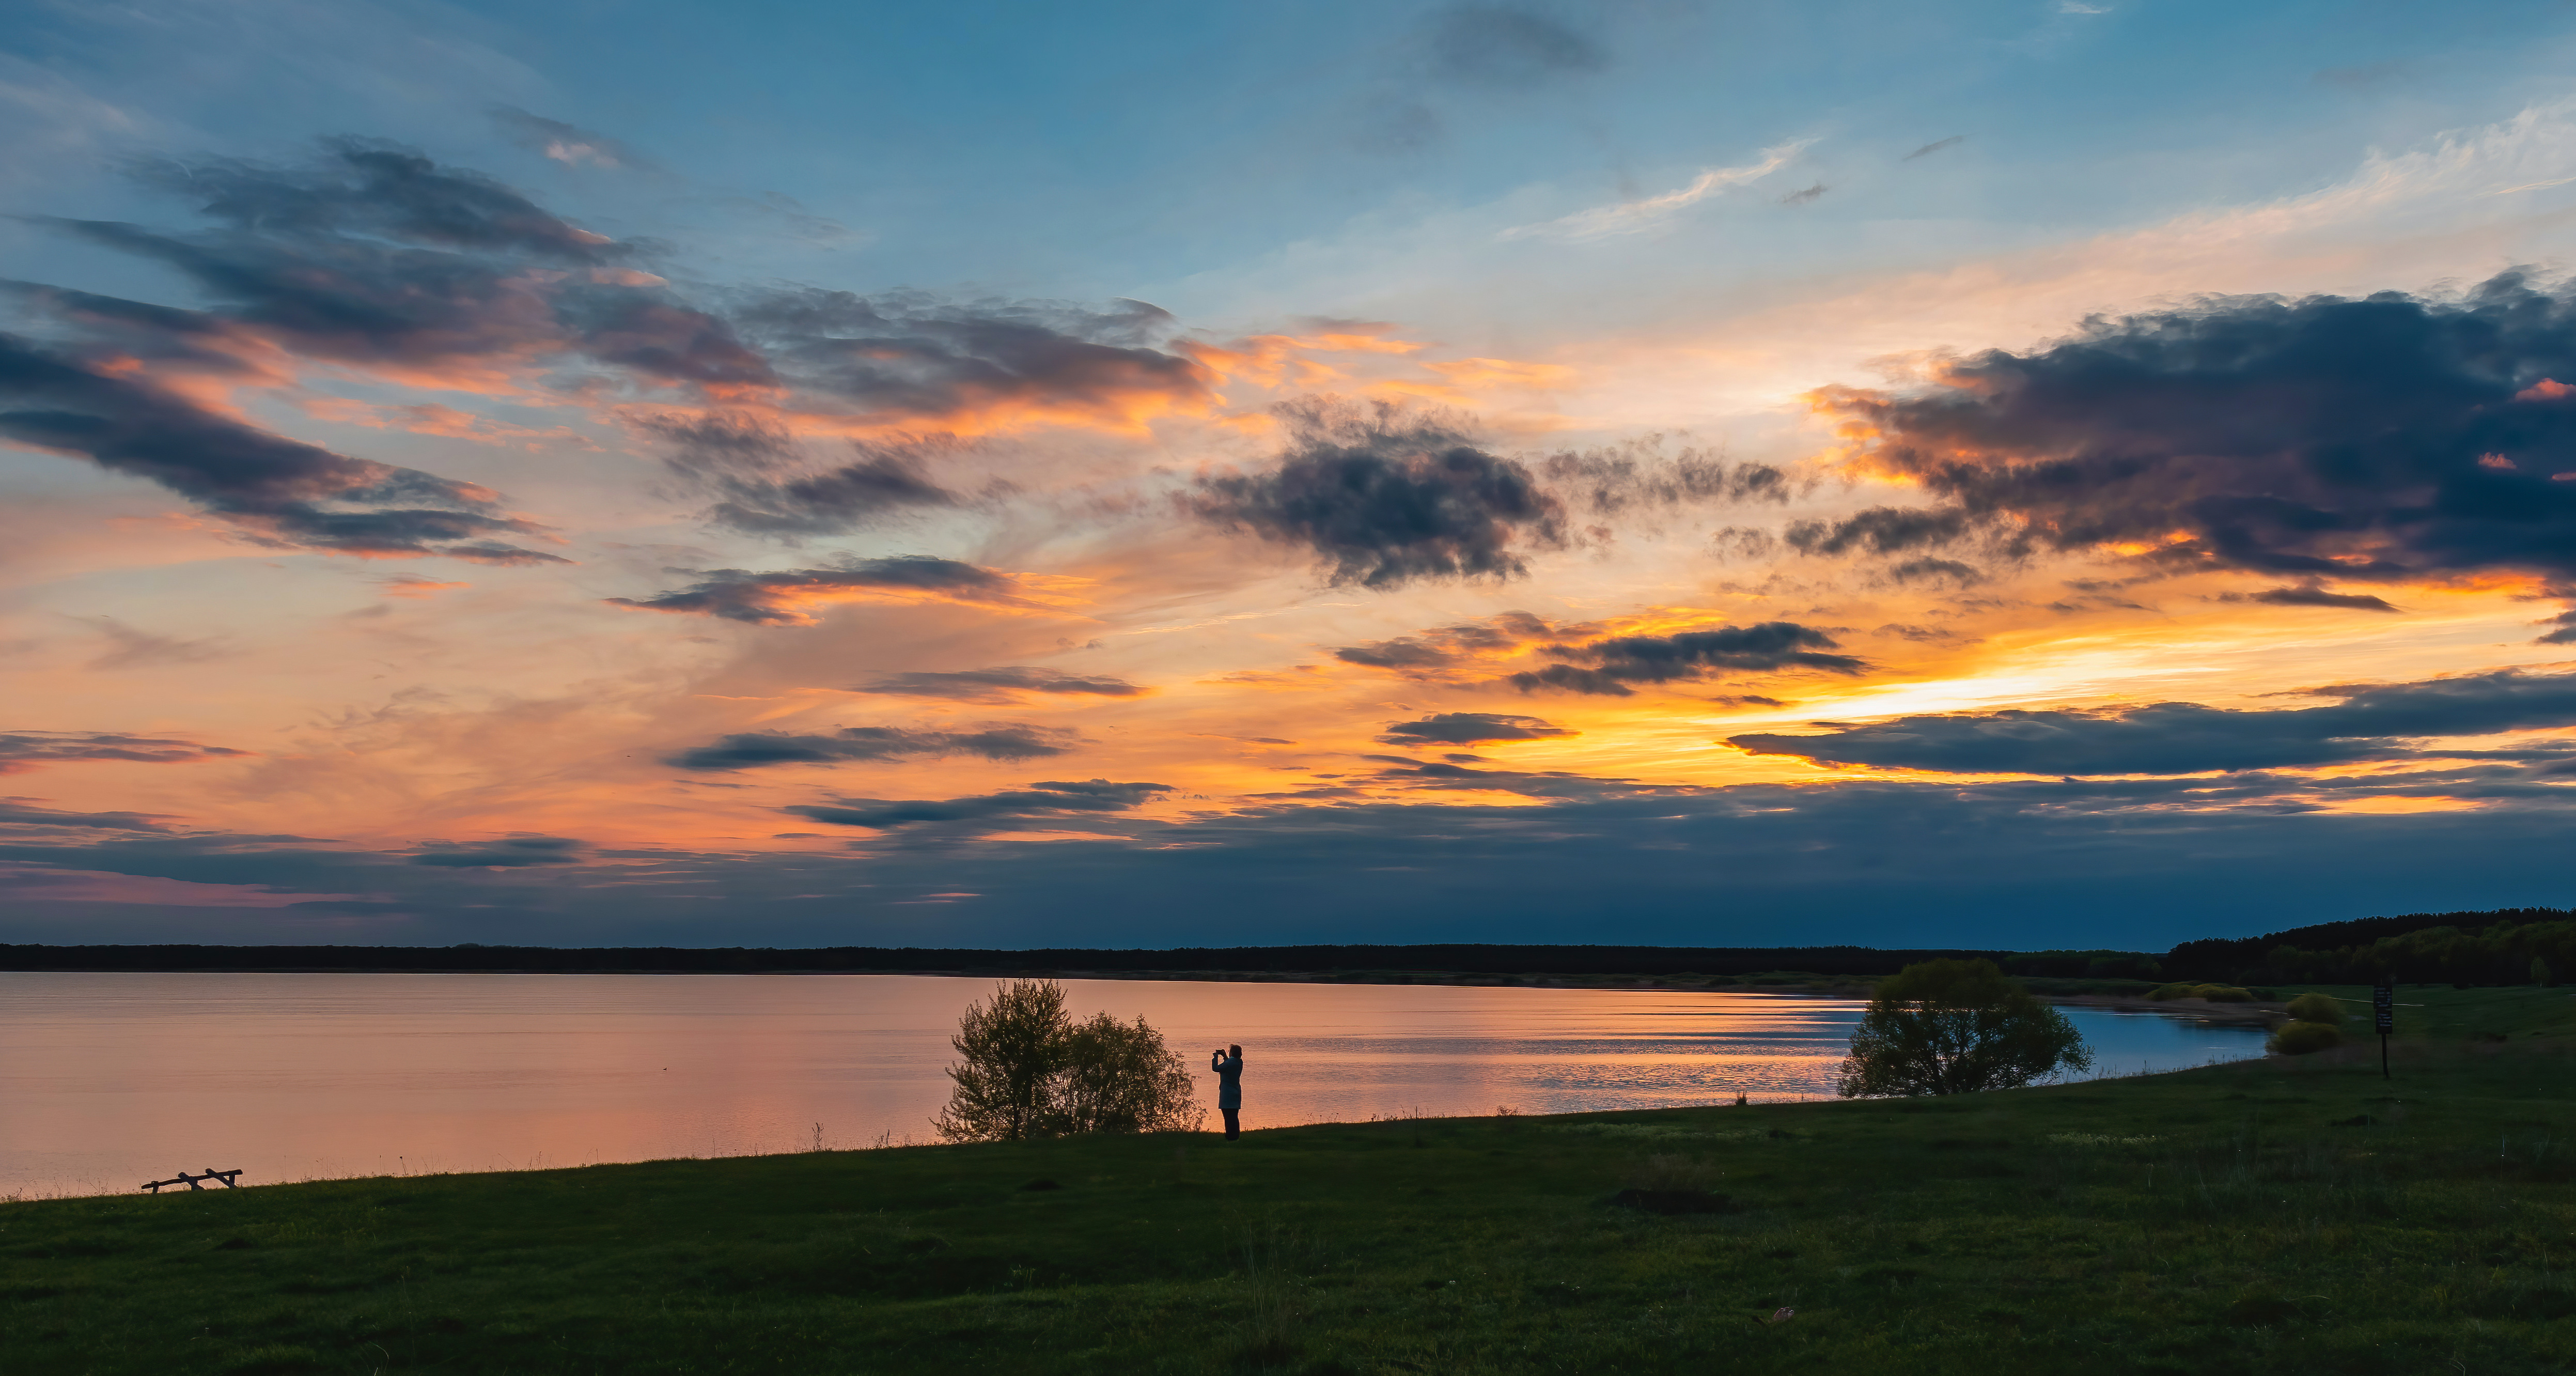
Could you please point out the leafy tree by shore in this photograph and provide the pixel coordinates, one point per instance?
(1119, 1077)
(1027, 1069)
(1956, 1027)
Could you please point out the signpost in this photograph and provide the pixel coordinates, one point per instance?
(2383, 1005)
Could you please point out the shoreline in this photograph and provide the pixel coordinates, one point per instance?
(2258, 1014)
(1791, 984)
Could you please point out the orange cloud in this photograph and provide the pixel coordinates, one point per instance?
(413, 585)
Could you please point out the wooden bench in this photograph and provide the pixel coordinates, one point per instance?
(195, 1182)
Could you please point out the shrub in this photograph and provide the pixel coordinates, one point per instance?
(2300, 1038)
(1013, 1048)
(1028, 1070)
(1119, 1077)
(2223, 993)
(1956, 1027)
(2317, 1008)
(2165, 992)
(2541, 974)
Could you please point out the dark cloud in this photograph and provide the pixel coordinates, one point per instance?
(25, 750)
(374, 189)
(777, 599)
(1929, 570)
(915, 354)
(1003, 684)
(564, 143)
(508, 853)
(23, 814)
(1934, 146)
(1807, 196)
(1565, 678)
(759, 471)
(375, 256)
(1879, 530)
(1506, 47)
(1384, 495)
(873, 744)
(1039, 800)
(1385, 498)
(1434, 652)
(644, 331)
(2390, 438)
(1471, 728)
(881, 482)
(279, 491)
(369, 256)
(2372, 722)
(1404, 652)
(1607, 666)
(2311, 595)
(1623, 479)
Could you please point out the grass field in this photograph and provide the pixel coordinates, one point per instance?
(2280, 1217)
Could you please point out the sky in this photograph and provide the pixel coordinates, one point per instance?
(575, 472)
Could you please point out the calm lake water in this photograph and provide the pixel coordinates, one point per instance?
(110, 1080)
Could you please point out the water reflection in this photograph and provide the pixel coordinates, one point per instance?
(109, 1080)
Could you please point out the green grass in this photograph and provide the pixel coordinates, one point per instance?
(2276, 1217)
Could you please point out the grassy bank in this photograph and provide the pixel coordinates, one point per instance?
(2281, 1217)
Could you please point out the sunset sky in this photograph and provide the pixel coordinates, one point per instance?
(2026, 474)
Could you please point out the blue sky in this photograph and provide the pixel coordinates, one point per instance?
(1006, 474)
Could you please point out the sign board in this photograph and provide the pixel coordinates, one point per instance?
(2383, 1003)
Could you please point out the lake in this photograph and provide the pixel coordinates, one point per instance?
(109, 1080)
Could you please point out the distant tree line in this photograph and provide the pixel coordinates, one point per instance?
(2082, 964)
(2510, 946)
(2503, 946)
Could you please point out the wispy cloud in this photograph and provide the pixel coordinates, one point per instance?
(1635, 217)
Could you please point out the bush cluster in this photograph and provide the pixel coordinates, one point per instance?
(1956, 1027)
(2300, 1038)
(2324, 1008)
(1029, 1070)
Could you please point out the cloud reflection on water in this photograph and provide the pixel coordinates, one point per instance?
(302, 1076)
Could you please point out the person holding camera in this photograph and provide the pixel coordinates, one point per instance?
(1228, 1065)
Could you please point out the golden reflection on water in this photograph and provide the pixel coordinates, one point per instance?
(109, 1080)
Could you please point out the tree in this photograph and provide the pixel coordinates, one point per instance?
(1119, 1077)
(1028, 1070)
(1013, 1049)
(1956, 1027)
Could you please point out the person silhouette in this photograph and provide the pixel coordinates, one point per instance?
(1228, 1065)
